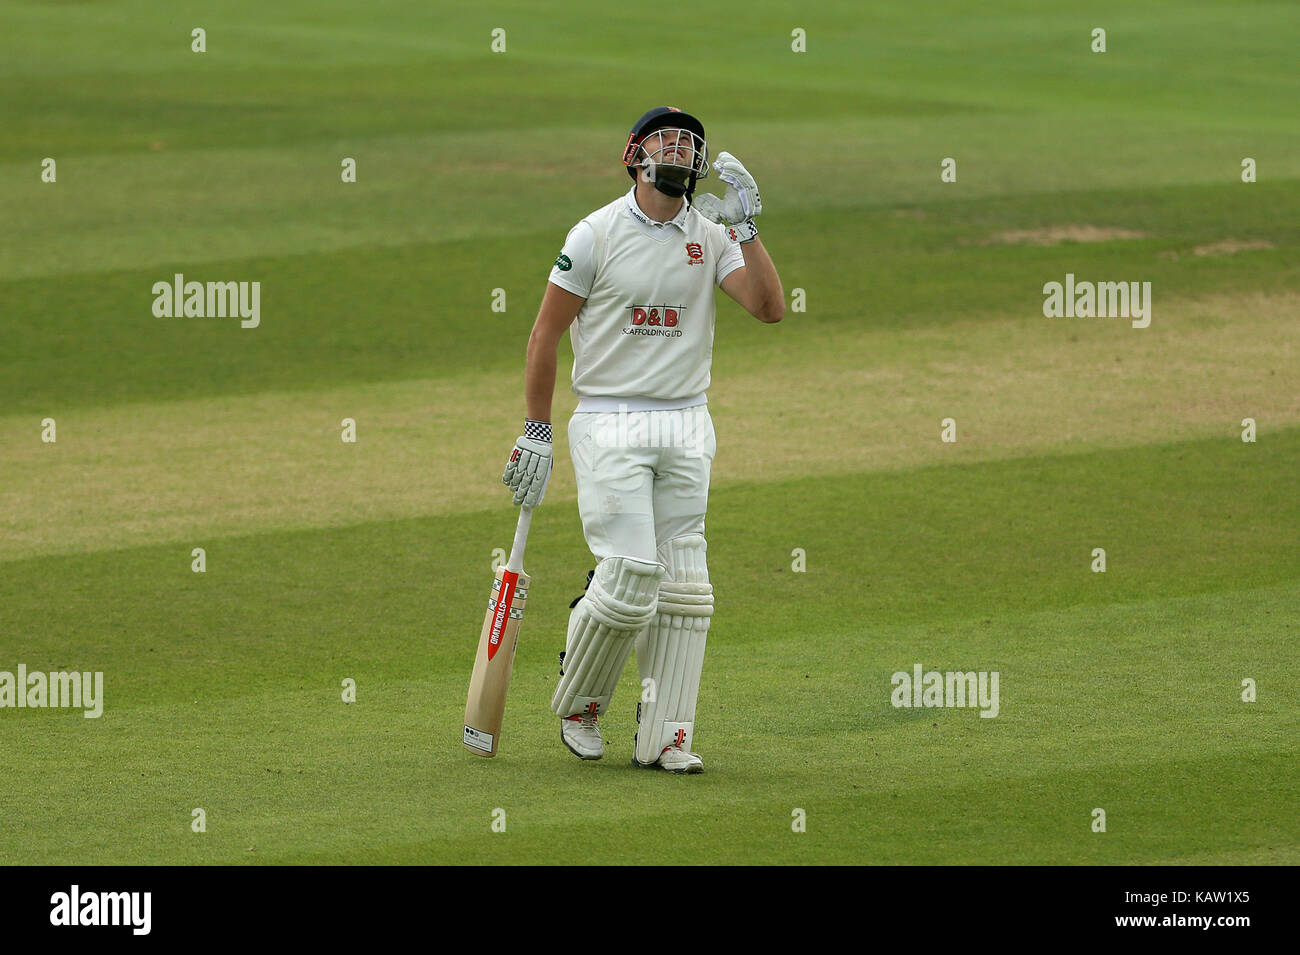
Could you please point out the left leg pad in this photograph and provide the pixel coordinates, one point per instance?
(670, 653)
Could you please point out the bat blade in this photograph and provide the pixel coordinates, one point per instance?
(485, 708)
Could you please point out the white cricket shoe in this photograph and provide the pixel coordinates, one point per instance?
(581, 734)
(674, 759)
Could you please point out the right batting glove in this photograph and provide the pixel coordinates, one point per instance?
(739, 206)
(529, 468)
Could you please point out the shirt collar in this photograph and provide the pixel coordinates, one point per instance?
(678, 220)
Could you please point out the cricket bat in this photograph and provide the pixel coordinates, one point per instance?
(496, 648)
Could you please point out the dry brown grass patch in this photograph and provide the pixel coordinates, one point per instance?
(1061, 234)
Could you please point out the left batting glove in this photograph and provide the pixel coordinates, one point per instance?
(741, 203)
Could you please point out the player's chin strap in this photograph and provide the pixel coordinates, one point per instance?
(672, 183)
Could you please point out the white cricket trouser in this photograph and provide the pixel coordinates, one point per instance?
(643, 477)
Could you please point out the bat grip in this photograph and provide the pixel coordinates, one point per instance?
(516, 562)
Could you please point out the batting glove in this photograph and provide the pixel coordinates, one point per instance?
(529, 469)
(741, 203)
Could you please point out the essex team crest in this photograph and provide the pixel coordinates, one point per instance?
(694, 253)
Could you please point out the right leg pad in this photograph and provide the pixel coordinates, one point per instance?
(619, 604)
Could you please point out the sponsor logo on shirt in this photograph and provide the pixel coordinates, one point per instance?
(563, 263)
(654, 320)
(656, 315)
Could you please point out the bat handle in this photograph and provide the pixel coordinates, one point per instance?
(516, 562)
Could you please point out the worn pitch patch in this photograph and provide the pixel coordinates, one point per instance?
(1221, 247)
(1061, 234)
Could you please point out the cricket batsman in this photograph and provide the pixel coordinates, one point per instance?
(633, 286)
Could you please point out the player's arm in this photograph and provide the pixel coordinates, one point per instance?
(529, 469)
(559, 309)
(756, 285)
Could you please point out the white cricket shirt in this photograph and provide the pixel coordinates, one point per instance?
(646, 329)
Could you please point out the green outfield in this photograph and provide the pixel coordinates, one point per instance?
(370, 561)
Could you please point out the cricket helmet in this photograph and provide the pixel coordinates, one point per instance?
(668, 132)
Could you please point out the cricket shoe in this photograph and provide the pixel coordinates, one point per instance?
(581, 734)
(674, 759)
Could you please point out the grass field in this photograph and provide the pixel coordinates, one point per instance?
(329, 561)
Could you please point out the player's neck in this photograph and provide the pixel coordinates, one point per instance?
(655, 204)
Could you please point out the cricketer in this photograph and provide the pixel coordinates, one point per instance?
(634, 287)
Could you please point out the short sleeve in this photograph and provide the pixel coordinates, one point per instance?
(731, 257)
(575, 266)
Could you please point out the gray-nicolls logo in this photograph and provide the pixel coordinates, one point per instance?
(75, 907)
